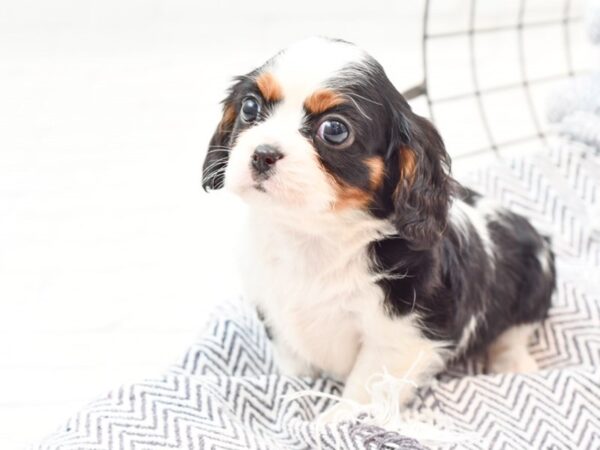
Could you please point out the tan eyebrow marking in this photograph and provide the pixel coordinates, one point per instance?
(322, 100)
(269, 87)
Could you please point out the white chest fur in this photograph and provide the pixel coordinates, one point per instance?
(313, 290)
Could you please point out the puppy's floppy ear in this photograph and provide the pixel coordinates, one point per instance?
(422, 195)
(217, 155)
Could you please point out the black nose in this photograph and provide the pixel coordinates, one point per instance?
(264, 158)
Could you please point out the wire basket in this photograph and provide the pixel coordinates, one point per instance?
(490, 65)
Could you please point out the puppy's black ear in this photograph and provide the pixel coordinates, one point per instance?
(423, 192)
(217, 155)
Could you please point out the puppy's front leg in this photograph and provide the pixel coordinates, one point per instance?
(412, 364)
(289, 363)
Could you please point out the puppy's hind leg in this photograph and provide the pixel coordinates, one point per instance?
(509, 353)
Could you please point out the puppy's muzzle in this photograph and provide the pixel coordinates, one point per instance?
(264, 159)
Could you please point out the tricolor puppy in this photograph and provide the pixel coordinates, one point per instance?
(363, 254)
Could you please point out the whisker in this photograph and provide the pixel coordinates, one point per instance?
(222, 169)
(210, 177)
(214, 173)
(360, 110)
(354, 94)
(217, 150)
(215, 163)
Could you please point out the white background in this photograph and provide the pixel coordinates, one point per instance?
(110, 253)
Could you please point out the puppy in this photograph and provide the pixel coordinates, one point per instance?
(362, 253)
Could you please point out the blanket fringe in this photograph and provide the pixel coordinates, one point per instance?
(383, 421)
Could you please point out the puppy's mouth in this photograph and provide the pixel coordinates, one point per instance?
(260, 181)
(259, 187)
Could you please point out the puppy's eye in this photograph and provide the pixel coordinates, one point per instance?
(250, 109)
(333, 132)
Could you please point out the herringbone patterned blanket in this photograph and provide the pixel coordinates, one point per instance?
(227, 393)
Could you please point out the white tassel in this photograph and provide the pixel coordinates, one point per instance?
(385, 412)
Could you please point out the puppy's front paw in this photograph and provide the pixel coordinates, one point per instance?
(355, 400)
(290, 364)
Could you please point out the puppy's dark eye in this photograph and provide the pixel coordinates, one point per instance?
(333, 132)
(250, 109)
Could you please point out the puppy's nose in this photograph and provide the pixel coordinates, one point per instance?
(264, 158)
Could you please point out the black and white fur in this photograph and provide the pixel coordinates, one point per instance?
(355, 271)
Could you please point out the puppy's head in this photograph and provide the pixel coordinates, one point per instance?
(320, 130)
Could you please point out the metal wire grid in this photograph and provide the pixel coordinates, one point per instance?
(478, 93)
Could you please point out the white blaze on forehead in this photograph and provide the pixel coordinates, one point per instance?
(305, 66)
